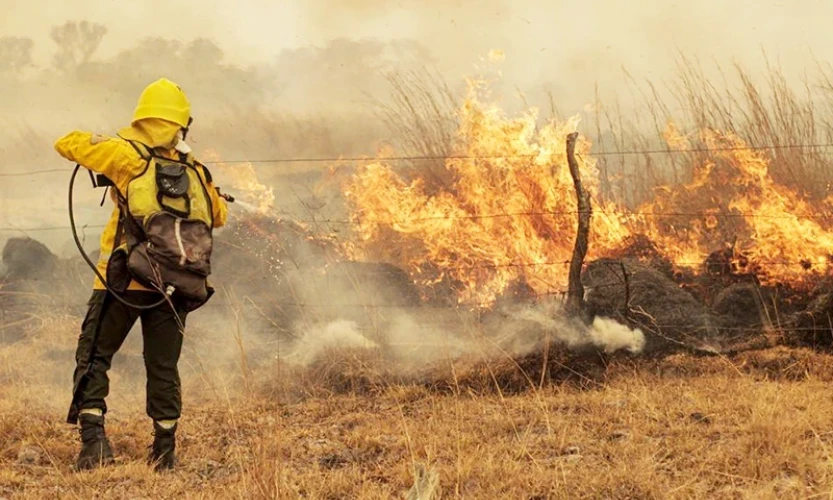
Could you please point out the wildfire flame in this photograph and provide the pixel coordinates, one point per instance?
(509, 215)
(243, 180)
(506, 220)
(733, 201)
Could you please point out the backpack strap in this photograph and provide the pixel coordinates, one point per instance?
(125, 219)
(140, 148)
(144, 152)
(208, 178)
(147, 154)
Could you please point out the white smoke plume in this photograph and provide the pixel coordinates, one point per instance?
(340, 334)
(613, 336)
(419, 339)
(603, 333)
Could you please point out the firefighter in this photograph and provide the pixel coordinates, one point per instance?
(133, 162)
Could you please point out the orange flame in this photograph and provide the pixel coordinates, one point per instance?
(733, 201)
(508, 216)
(243, 180)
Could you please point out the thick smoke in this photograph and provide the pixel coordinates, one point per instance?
(547, 321)
(413, 340)
(613, 336)
(339, 335)
(567, 48)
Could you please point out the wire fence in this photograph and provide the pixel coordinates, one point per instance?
(615, 213)
(416, 158)
(806, 261)
(541, 213)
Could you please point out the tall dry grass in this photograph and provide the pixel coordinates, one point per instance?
(762, 109)
(419, 116)
(765, 110)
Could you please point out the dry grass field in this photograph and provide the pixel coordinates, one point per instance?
(755, 425)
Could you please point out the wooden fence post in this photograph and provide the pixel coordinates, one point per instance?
(575, 290)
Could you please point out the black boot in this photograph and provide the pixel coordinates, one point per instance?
(164, 446)
(95, 448)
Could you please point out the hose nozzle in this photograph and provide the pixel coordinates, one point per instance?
(229, 198)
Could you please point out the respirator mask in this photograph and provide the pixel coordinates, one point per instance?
(179, 142)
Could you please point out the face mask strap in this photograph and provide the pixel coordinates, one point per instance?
(187, 128)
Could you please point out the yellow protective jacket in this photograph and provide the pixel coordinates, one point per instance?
(115, 158)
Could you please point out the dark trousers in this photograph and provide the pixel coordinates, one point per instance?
(162, 338)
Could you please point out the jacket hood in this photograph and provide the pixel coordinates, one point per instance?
(152, 132)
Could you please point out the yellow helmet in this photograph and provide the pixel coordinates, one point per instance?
(163, 99)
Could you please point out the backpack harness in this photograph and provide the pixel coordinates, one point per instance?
(166, 219)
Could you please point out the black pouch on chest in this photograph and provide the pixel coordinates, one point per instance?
(172, 183)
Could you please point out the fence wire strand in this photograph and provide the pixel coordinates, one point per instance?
(616, 213)
(406, 158)
(541, 213)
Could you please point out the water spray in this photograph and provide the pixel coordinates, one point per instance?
(247, 206)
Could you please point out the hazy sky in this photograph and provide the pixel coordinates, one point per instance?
(544, 40)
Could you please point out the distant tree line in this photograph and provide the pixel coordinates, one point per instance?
(345, 69)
